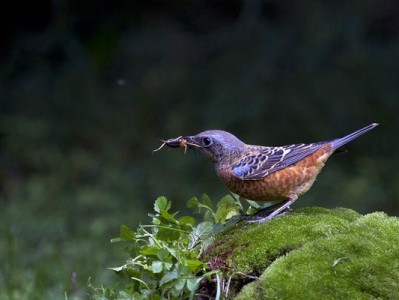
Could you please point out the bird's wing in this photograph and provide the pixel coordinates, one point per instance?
(264, 161)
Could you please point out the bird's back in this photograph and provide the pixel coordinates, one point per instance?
(277, 173)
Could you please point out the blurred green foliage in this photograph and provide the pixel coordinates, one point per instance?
(86, 91)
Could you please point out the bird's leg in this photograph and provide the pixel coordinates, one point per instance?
(278, 212)
(263, 212)
(268, 210)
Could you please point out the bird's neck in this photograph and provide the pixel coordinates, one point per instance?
(228, 158)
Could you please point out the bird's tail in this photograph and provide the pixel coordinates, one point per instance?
(346, 139)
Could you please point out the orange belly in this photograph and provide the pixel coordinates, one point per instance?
(283, 184)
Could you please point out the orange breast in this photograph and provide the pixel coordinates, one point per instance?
(283, 184)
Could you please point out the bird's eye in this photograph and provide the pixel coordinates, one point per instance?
(206, 141)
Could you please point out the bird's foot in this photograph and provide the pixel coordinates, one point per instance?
(264, 212)
(268, 218)
(280, 210)
(261, 214)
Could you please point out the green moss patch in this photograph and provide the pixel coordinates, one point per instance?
(314, 253)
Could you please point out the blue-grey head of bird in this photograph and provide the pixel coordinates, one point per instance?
(218, 145)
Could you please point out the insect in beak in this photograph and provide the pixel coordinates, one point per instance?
(179, 142)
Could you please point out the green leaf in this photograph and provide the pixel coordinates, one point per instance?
(254, 204)
(149, 250)
(169, 276)
(167, 265)
(186, 220)
(202, 231)
(195, 265)
(162, 203)
(227, 207)
(180, 284)
(167, 216)
(126, 233)
(206, 200)
(156, 266)
(168, 234)
(193, 283)
(200, 207)
(174, 251)
(162, 254)
(192, 202)
(251, 210)
(209, 216)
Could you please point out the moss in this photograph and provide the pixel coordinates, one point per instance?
(253, 247)
(316, 253)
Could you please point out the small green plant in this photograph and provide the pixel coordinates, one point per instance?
(165, 255)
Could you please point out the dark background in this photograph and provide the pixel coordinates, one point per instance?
(88, 88)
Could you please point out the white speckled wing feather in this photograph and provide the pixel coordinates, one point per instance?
(263, 161)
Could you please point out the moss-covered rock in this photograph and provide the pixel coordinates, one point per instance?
(312, 253)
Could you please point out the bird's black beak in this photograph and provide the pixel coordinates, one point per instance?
(191, 142)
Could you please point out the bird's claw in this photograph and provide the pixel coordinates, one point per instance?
(268, 218)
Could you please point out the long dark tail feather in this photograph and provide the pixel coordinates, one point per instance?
(346, 139)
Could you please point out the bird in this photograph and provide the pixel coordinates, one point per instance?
(264, 173)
